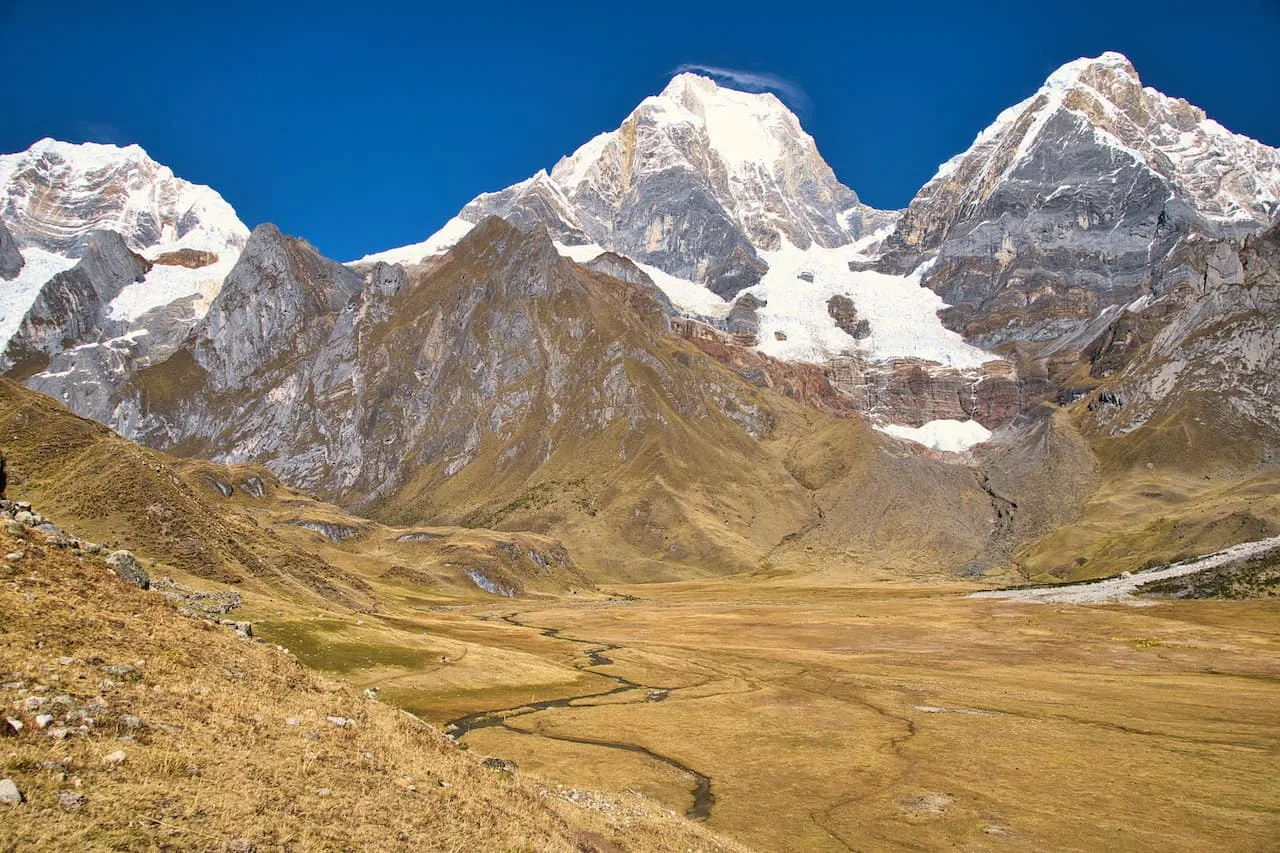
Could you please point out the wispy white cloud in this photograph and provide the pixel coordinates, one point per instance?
(751, 81)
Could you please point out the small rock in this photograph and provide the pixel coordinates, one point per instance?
(33, 703)
(15, 555)
(71, 800)
(12, 725)
(371, 693)
(129, 721)
(25, 518)
(58, 733)
(66, 661)
(501, 764)
(292, 722)
(240, 845)
(324, 792)
(9, 792)
(123, 672)
(62, 699)
(341, 722)
(129, 569)
(405, 783)
(43, 720)
(115, 759)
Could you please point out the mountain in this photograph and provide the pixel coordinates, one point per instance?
(719, 195)
(1059, 208)
(506, 386)
(549, 371)
(55, 195)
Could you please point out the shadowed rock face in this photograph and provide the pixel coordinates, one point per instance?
(72, 306)
(10, 258)
(1059, 208)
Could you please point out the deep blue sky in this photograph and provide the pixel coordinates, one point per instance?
(363, 126)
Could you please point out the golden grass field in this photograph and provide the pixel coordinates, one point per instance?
(884, 716)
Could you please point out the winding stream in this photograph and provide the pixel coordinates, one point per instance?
(597, 656)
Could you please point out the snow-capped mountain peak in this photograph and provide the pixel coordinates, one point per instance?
(55, 194)
(1227, 177)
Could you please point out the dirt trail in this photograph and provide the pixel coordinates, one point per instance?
(1120, 590)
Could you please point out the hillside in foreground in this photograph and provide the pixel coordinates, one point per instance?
(145, 729)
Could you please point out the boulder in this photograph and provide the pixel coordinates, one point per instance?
(129, 569)
(9, 792)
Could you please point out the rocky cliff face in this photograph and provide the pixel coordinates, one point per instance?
(10, 257)
(73, 305)
(1201, 349)
(280, 302)
(1061, 205)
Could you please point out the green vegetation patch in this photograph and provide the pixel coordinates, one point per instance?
(315, 644)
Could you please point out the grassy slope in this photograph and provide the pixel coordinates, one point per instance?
(215, 760)
(1182, 486)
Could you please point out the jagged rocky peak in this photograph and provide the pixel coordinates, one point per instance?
(748, 151)
(279, 292)
(56, 193)
(697, 182)
(1060, 205)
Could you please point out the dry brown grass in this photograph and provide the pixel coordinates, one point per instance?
(901, 716)
(216, 761)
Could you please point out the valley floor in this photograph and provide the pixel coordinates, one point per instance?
(894, 715)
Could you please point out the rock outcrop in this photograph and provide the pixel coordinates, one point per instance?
(11, 260)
